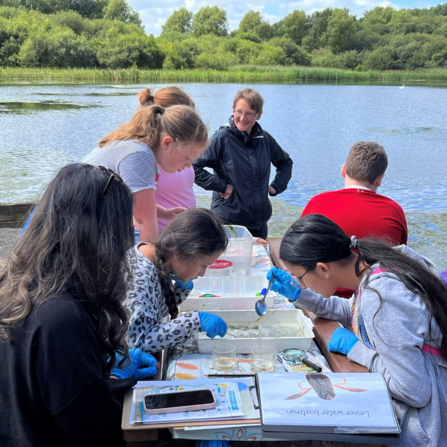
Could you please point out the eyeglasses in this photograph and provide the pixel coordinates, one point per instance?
(250, 115)
(112, 177)
(298, 283)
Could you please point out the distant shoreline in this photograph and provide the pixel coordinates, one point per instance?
(237, 74)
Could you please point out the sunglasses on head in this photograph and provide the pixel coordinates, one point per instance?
(112, 177)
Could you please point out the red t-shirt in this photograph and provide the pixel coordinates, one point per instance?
(361, 213)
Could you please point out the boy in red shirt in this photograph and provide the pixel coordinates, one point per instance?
(357, 208)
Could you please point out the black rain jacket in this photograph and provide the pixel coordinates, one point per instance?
(243, 161)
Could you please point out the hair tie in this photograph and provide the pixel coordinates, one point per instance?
(353, 244)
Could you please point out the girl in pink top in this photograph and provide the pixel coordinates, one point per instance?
(175, 190)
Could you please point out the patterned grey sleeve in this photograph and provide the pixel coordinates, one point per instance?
(169, 334)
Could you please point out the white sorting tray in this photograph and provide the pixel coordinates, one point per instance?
(252, 319)
(253, 285)
(224, 303)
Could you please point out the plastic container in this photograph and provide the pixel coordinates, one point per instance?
(253, 285)
(238, 254)
(237, 282)
(248, 322)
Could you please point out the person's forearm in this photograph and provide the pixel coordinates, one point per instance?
(148, 231)
(162, 212)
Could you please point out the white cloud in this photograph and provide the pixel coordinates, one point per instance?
(154, 16)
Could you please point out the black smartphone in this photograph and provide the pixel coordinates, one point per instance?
(179, 401)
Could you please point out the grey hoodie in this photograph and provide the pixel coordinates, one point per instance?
(396, 325)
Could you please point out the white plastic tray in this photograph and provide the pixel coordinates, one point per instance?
(253, 285)
(251, 319)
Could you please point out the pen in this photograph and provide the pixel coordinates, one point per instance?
(229, 375)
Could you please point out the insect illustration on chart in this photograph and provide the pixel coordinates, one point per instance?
(323, 386)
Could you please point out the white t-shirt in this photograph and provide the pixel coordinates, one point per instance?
(133, 161)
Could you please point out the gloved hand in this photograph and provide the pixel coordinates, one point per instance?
(342, 341)
(212, 324)
(282, 285)
(188, 285)
(136, 368)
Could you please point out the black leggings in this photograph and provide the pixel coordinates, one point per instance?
(262, 233)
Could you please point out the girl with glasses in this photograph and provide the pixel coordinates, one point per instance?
(398, 315)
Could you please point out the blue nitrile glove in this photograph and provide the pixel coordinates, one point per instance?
(282, 285)
(136, 369)
(27, 222)
(342, 341)
(188, 285)
(212, 444)
(212, 324)
(185, 285)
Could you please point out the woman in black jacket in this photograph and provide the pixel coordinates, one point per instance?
(241, 154)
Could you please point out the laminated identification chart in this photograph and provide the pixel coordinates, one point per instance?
(228, 401)
(330, 403)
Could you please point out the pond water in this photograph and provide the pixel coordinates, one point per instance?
(45, 126)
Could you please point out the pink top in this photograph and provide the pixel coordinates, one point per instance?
(175, 190)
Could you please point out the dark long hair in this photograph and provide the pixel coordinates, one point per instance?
(75, 244)
(315, 238)
(194, 232)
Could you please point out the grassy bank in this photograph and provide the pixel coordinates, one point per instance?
(239, 74)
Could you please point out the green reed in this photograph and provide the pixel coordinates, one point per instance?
(238, 74)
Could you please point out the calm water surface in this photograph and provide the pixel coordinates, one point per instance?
(45, 126)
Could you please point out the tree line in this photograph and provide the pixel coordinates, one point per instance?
(109, 34)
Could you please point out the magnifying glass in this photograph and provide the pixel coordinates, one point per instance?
(299, 354)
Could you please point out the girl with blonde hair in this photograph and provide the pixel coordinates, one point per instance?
(174, 191)
(170, 137)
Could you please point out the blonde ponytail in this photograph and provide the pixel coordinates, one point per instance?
(180, 122)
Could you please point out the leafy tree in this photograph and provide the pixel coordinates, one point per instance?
(254, 23)
(217, 61)
(271, 55)
(294, 54)
(122, 11)
(295, 25)
(340, 30)
(324, 57)
(69, 19)
(210, 20)
(350, 59)
(250, 22)
(278, 28)
(180, 21)
(317, 24)
(249, 36)
(440, 59)
(125, 50)
(377, 16)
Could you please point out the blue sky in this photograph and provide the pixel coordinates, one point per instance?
(155, 12)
